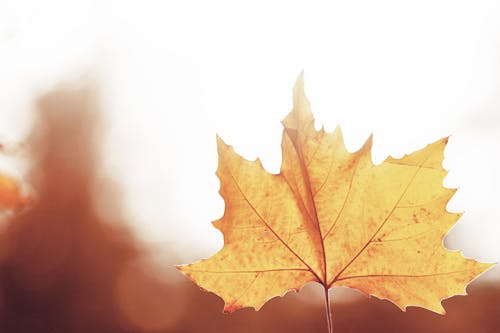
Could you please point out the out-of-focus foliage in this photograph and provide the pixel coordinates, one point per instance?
(11, 196)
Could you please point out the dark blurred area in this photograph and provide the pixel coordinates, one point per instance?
(66, 267)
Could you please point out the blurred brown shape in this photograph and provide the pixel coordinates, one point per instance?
(147, 300)
(61, 260)
(64, 268)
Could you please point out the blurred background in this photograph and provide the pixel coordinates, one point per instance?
(108, 114)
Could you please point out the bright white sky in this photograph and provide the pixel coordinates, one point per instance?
(173, 74)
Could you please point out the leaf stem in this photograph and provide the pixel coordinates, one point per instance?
(328, 311)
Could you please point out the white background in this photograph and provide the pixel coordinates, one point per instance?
(172, 74)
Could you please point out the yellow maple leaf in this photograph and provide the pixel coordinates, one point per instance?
(333, 217)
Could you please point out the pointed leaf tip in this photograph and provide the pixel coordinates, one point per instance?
(220, 143)
(299, 82)
(301, 115)
(299, 90)
(367, 146)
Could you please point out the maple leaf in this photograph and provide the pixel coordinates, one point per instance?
(333, 217)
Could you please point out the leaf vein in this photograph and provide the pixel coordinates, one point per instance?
(270, 228)
(403, 275)
(382, 224)
(344, 203)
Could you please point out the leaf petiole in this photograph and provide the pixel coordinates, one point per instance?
(328, 311)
